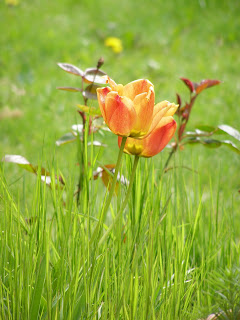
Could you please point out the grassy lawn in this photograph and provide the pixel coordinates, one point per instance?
(174, 254)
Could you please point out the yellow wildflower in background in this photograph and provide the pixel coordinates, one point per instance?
(114, 43)
(12, 2)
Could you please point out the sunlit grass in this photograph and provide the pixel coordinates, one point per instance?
(174, 254)
(159, 261)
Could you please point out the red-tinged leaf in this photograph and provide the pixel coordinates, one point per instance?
(70, 89)
(19, 160)
(229, 130)
(181, 130)
(71, 69)
(179, 100)
(107, 178)
(67, 138)
(43, 171)
(25, 164)
(106, 172)
(204, 84)
(90, 92)
(94, 75)
(189, 84)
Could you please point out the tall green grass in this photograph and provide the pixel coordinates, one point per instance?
(174, 253)
(160, 261)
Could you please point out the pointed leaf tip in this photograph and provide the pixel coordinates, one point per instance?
(70, 89)
(229, 130)
(204, 84)
(71, 69)
(189, 84)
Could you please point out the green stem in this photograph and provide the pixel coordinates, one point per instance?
(111, 192)
(169, 158)
(124, 202)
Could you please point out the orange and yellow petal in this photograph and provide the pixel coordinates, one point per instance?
(132, 89)
(102, 94)
(143, 104)
(161, 110)
(120, 114)
(154, 143)
(159, 137)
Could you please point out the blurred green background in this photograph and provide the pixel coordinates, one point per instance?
(162, 41)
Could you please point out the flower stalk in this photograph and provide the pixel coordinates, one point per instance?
(135, 164)
(111, 191)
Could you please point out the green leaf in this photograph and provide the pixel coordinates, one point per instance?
(38, 288)
(231, 145)
(96, 144)
(71, 69)
(205, 128)
(211, 143)
(192, 140)
(93, 111)
(198, 133)
(229, 130)
(67, 138)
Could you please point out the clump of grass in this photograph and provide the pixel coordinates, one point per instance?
(159, 261)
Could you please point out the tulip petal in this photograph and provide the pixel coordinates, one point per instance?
(172, 110)
(120, 114)
(159, 111)
(143, 104)
(102, 94)
(132, 89)
(112, 83)
(155, 142)
(159, 137)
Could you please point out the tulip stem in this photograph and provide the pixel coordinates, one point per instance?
(136, 159)
(111, 191)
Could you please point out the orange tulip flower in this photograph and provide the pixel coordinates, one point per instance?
(127, 110)
(160, 133)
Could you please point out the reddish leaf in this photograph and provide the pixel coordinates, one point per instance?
(25, 164)
(21, 161)
(71, 69)
(189, 84)
(70, 89)
(106, 173)
(179, 101)
(181, 130)
(90, 92)
(93, 75)
(204, 84)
